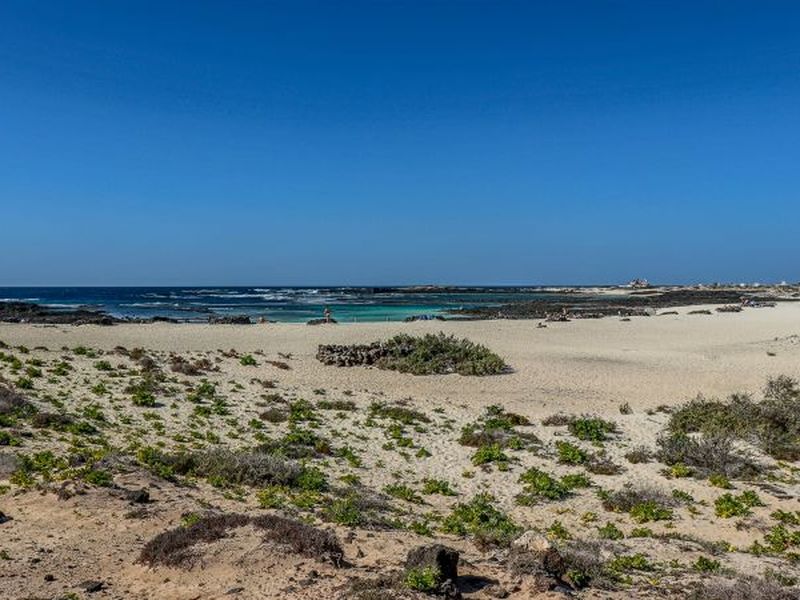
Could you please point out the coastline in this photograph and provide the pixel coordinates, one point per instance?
(109, 306)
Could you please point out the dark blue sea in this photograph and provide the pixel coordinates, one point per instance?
(288, 304)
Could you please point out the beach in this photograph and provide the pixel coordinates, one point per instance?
(590, 364)
(631, 372)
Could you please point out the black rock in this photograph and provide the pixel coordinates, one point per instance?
(437, 556)
(321, 321)
(230, 320)
(4, 518)
(138, 496)
(27, 312)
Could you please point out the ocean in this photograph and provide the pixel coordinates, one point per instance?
(287, 304)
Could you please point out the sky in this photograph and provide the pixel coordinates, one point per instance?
(379, 143)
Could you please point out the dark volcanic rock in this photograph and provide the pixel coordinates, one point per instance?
(230, 320)
(27, 312)
(158, 319)
(321, 321)
(138, 496)
(439, 557)
(349, 356)
(639, 303)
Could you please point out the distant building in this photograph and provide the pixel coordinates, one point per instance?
(639, 284)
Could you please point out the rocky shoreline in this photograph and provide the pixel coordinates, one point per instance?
(565, 304)
(644, 302)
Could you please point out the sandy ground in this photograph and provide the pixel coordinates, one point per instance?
(585, 366)
(581, 365)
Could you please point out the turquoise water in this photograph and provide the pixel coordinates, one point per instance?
(287, 304)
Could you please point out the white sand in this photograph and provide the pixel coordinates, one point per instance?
(581, 365)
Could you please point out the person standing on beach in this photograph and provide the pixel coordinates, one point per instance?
(327, 314)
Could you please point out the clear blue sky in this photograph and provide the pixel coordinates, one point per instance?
(398, 142)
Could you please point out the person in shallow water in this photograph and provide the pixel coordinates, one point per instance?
(327, 315)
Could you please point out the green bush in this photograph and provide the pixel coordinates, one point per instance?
(570, 454)
(706, 565)
(481, 519)
(728, 505)
(497, 426)
(543, 486)
(592, 429)
(437, 486)
(426, 580)
(399, 490)
(427, 355)
(609, 531)
(642, 503)
(440, 354)
(489, 454)
(650, 510)
(248, 361)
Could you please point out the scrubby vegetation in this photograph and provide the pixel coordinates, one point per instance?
(539, 486)
(481, 519)
(175, 548)
(427, 355)
(371, 460)
(497, 429)
(642, 503)
(706, 456)
(772, 424)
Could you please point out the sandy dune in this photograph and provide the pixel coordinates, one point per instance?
(586, 366)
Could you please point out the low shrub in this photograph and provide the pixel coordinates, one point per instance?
(489, 454)
(639, 454)
(609, 531)
(540, 485)
(482, 520)
(427, 355)
(741, 588)
(706, 455)
(773, 424)
(592, 429)
(570, 454)
(426, 580)
(642, 503)
(728, 505)
(176, 547)
(437, 486)
(497, 428)
(403, 492)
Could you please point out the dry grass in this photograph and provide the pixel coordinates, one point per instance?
(175, 548)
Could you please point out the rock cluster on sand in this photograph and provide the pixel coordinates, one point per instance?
(230, 320)
(351, 356)
(27, 312)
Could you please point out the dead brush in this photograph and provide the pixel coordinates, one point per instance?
(176, 547)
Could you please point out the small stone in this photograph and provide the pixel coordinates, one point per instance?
(531, 541)
(91, 586)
